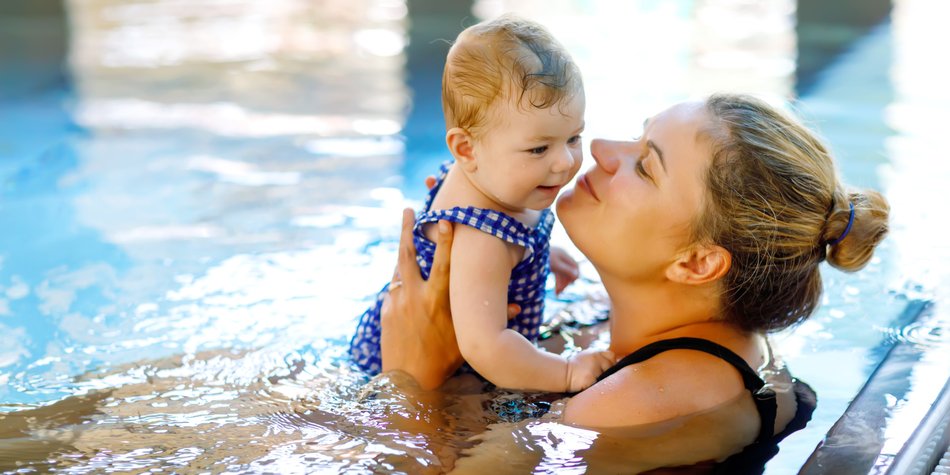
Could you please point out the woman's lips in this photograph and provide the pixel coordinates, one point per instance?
(583, 182)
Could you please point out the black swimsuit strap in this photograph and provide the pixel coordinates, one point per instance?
(764, 397)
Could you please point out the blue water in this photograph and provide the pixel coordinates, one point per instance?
(198, 209)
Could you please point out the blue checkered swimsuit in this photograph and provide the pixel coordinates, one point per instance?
(526, 287)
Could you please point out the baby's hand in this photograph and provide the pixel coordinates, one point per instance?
(564, 268)
(583, 368)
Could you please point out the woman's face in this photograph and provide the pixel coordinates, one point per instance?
(630, 214)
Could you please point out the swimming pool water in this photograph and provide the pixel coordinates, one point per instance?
(197, 212)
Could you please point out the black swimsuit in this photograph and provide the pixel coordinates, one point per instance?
(753, 457)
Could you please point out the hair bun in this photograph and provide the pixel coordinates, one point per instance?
(850, 249)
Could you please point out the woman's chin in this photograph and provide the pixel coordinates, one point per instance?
(573, 218)
(564, 196)
(564, 202)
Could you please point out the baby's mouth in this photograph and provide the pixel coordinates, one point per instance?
(551, 187)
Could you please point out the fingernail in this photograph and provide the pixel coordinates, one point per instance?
(443, 227)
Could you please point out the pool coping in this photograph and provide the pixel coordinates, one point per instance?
(929, 442)
(855, 443)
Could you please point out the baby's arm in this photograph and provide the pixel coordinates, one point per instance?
(481, 269)
(564, 267)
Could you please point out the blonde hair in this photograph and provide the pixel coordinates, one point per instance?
(506, 58)
(775, 203)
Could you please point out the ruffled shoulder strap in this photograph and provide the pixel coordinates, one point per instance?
(443, 171)
(488, 221)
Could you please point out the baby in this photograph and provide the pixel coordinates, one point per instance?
(514, 111)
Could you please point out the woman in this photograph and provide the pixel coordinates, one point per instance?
(707, 233)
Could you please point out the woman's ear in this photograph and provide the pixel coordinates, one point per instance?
(701, 264)
(462, 146)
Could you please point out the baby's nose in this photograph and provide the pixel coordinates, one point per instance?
(565, 160)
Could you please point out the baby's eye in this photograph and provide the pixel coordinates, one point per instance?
(574, 140)
(538, 150)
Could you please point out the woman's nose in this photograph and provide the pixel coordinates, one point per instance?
(608, 153)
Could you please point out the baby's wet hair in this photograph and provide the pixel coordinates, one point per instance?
(510, 59)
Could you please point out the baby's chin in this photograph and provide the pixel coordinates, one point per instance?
(542, 205)
(545, 197)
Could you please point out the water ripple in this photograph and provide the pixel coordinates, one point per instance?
(925, 334)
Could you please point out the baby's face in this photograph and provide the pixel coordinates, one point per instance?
(526, 155)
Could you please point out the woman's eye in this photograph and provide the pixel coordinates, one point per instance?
(538, 150)
(640, 170)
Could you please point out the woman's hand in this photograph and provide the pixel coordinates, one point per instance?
(417, 332)
(418, 336)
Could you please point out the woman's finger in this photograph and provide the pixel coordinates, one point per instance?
(513, 310)
(442, 260)
(406, 268)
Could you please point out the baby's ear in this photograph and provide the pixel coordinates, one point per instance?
(700, 264)
(462, 146)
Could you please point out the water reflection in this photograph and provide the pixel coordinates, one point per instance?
(234, 410)
(434, 24)
(825, 30)
(196, 152)
(308, 411)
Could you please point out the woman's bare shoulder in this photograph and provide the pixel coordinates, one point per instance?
(672, 384)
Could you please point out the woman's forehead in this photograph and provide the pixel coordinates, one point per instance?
(684, 114)
(676, 131)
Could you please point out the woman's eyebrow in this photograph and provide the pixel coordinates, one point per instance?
(659, 154)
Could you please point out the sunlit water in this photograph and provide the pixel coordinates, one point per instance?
(192, 229)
